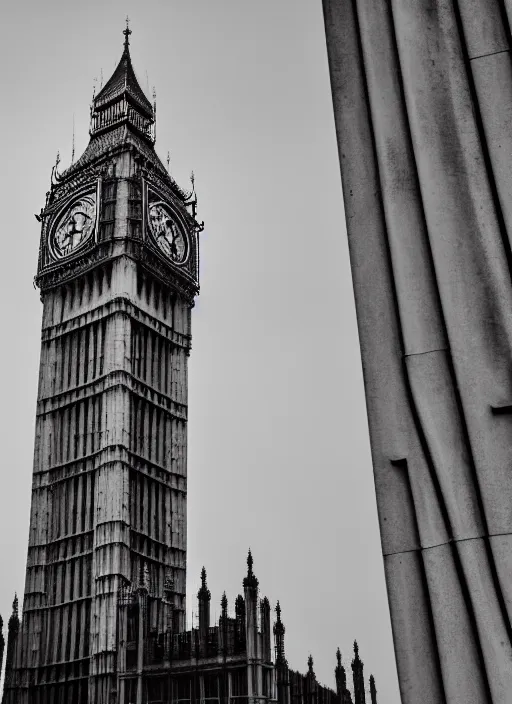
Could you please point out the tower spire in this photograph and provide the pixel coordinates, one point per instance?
(358, 677)
(121, 100)
(204, 592)
(344, 696)
(251, 580)
(13, 628)
(127, 33)
(373, 690)
(203, 599)
(279, 631)
(15, 608)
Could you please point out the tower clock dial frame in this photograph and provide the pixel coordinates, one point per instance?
(168, 231)
(74, 226)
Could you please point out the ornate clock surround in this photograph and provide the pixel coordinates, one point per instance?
(167, 232)
(74, 226)
(182, 275)
(53, 219)
(155, 194)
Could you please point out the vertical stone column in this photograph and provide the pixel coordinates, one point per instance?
(203, 599)
(340, 675)
(266, 650)
(251, 630)
(311, 684)
(223, 648)
(373, 690)
(111, 558)
(281, 665)
(13, 629)
(358, 677)
(423, 110)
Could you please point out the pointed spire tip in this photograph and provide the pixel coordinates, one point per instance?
(127, 33)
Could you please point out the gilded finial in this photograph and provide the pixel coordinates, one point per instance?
(278, 612)
(224, 604)
(356, 649)
(203, 578)
(338, 657)
(127, 33)
(310, 664)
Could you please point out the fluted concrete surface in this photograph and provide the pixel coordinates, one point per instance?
(422, 93)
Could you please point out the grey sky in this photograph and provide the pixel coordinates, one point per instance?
(279, 455)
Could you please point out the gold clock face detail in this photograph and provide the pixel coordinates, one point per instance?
(170, 237)
(74, 227)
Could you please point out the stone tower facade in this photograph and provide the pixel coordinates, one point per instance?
(118, 272)
(103, 617)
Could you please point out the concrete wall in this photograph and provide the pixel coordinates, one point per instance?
(422, 93)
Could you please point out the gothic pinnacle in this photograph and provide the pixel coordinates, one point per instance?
(204, 592)
(15, 607)
(373, 690)
(250, 580)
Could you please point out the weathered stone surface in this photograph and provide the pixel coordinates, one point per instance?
(423, 110)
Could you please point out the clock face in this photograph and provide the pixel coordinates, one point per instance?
(74, 227)
(170, 237)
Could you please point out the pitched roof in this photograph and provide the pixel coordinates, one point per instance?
(130, 127)
(123, 80)
(102, 143)
(122, 135)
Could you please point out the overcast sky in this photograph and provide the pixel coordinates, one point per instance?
(279, 454)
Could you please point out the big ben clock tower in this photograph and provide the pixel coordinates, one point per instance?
(118, 273)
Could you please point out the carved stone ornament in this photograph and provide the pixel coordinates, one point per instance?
(168, 233)
(73, 228)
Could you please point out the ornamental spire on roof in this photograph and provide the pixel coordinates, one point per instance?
(279, 631)
(204, 592)
(122, 100)
(250, 581)
(127, 33)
